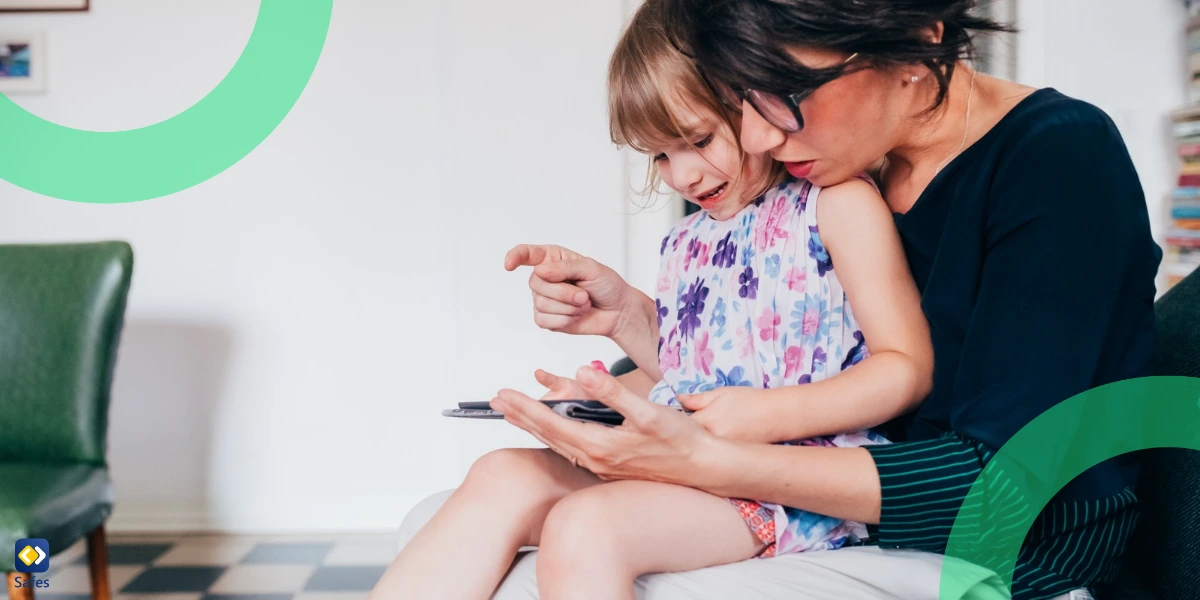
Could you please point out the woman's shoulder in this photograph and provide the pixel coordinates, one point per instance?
(1063, 158)
(1047, 115)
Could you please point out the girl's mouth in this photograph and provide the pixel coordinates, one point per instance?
(714, 195)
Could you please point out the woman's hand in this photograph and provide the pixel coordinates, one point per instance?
(560, 388)
(737, 413)
(571, 292)
(656, 443)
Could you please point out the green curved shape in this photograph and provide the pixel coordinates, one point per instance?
(1044, 456)
(187, 149)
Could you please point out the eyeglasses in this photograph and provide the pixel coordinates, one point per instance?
(781, 111)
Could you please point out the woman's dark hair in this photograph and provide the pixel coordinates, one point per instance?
(745, 42)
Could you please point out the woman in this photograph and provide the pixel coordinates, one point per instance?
(1026, 230)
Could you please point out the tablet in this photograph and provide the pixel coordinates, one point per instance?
(592, 411)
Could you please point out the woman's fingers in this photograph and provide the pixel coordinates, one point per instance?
(558, 388)
(605, 388)
(548, 380)
(696, 401)
(539, 420)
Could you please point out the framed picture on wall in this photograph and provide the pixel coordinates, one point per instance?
(22, 63)
(43, 5)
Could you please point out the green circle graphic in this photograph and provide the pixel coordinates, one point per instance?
(184, 150)
(1043, 457)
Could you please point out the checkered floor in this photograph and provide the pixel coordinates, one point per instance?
(227, 568)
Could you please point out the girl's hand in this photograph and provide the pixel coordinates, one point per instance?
(737, 413)
(571, 292)
(656, 443)
(560, 388)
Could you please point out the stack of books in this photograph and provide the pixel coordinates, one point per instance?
(1183, 236)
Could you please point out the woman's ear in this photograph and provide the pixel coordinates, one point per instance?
(934, 33)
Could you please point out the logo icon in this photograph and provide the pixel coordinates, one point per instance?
(32, 555)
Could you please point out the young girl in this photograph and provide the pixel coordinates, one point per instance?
(750, 306)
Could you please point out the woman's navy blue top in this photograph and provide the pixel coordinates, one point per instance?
(1036, 266)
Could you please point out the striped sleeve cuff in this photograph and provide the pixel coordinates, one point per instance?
(923, 486)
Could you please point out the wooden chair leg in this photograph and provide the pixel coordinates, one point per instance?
(18, 593)
(98, 564)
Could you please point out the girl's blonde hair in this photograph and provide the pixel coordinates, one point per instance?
(646, 76)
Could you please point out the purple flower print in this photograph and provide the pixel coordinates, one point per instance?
(662, 311)
(802, 196)
(691, 306)
(663, 249)
(857, 353)
(804, 379)
(818, 359)
(817, 251)
(696, 251)
(726, 252)
(749, 284)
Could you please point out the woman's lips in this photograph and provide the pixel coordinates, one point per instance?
(799, 170)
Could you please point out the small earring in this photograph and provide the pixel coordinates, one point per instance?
(914, 78)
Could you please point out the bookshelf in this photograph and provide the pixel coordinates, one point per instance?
(1182, 250)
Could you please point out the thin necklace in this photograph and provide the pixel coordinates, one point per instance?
(966, 126)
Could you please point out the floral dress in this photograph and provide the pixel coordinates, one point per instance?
(755, 301)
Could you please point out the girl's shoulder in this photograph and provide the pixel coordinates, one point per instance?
(803, 194)
(791, 193)
(792, 189)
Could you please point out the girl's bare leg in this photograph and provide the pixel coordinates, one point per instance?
(597, 541)
(465, 550)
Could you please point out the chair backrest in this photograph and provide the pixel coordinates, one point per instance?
(1165, 550)
(62, 307)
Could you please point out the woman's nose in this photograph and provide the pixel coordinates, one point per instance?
(759, 136)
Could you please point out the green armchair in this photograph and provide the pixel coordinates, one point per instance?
(62, 307)
(1162, 559)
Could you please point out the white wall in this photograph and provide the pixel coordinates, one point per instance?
(297, 323)
(1129, 59)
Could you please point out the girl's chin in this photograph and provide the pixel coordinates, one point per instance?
(726, 210)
